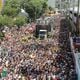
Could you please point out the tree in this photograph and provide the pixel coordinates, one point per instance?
(11, 8)
(5, 20)
(19, 21)
(44, 6)
(50, 8)
(1, 35)
(34, 7)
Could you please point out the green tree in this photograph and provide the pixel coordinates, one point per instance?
(44, 6)
(11, 8)
(50, 8)
(5, 20)
(34, 7)
(1, 35)
(19, 21)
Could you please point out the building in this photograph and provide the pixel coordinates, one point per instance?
(51, 3)
(62, 4)
(58, 4)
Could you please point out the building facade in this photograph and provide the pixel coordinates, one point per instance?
(62, 4)
(51, 3)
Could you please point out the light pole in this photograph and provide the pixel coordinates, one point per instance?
(68, 1)
(78, 28)
(60, 5)
(73, 1)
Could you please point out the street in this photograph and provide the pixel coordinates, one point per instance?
(35, 59)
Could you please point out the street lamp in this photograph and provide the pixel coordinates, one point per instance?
(73, 1)
(78, 29)
(60, 5)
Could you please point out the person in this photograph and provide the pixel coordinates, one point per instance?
(38, 64)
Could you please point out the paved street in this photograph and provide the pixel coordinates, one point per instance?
(35, 59)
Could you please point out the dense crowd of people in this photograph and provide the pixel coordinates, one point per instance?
(23, 57)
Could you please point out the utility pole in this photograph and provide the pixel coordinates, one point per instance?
(74, 28)
(73, 1)
(78, 28)
(60, 5)
(68, 1)
(66, 5)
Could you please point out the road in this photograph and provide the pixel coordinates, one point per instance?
(51, 58)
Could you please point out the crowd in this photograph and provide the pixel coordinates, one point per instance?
(22, 57)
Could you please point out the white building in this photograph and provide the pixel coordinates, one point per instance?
(58, 4)
(63, 4)
(51, 3)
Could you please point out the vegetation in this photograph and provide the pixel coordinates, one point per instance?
(1, 35)
(19, 21)
(35, 8)
(5, 20)
(12, 8)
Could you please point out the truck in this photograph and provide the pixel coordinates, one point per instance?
(43, 27)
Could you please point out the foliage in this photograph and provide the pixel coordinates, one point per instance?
(1, 35)
(34, 7)
(10, 22)
(19, 21)
(5, 20)
(11, 8)
(50, 8)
